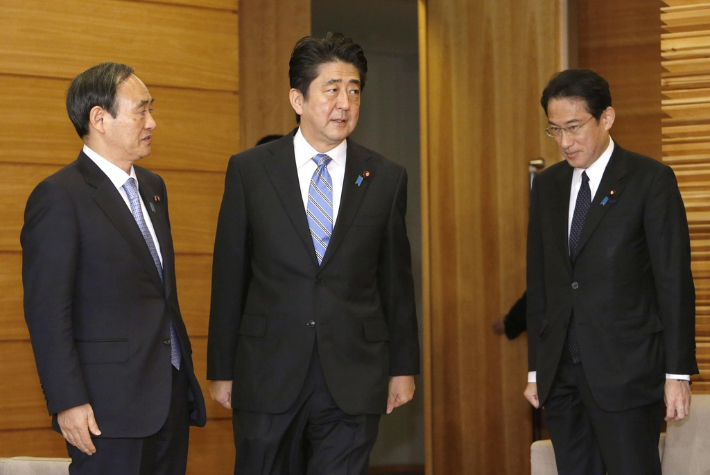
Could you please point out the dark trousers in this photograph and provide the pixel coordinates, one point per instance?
(590, 441)
(163, 453)
(314, 437)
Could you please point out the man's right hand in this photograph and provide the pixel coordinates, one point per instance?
(76, 423)
(221, 391)
(531, 395)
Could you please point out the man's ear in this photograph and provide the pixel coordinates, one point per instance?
(96, 119)
(297, 100)
(608, 117)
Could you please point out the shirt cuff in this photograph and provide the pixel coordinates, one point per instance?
(679, 377)
(532, 376)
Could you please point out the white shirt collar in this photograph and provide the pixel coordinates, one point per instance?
(595, 171)
(305, 152)
(117, 176)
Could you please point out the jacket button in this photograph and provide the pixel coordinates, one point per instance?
(319, 280)
(167, 341)
(575, 285)
(310, 324)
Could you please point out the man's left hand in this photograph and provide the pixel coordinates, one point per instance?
(401, 391)
(677, 399)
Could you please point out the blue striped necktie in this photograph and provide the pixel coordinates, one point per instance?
(320, 206)
(131, 190)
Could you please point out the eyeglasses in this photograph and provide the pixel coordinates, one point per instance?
(556, 132)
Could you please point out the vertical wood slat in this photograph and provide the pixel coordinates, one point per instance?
(483, 67)
(685, 85)
(268, 31)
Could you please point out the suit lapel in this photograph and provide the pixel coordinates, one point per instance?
(564, 187)
(281, 169)
(611, 180)
(158, 218)
(352, 195)
(112, 204)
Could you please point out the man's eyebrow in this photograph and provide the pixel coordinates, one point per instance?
(566, 123)
(332, 81)
(144, 102)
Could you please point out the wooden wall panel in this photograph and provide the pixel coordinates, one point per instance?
(620, 41)
(268, 31)
(686, 146)
(12, 322)
(216, 4)
(484, 65)
(22, 404)
(169, 45)
(196, 130)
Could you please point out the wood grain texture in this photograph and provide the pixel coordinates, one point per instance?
(196, 130)
(168, 45)
(686, 147)
(620, 41)
(22, 404)
(12, 322)
(215, 4)
(485, 64)
(268, 31)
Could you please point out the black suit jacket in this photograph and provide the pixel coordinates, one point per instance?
(630, 286)
(97, 310)
(267, 285)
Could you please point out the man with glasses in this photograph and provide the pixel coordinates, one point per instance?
(611, 301)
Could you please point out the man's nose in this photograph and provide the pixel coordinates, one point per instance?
(150, 122)
(343, 102)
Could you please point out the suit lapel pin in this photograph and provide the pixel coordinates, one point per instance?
(152, 208)
(365, 174)
(157, 198)
(609, 199)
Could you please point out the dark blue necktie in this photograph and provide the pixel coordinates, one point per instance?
(132, 192)
(581, 207)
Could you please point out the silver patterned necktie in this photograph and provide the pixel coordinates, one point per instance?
(131, 190)
(320, 206)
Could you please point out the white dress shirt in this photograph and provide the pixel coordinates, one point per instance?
(306, 166)
(118, 177)
(595, 172)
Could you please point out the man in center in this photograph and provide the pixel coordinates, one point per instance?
(313, 330)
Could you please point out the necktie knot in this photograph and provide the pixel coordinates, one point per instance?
(322, 160)
(585, 177)
(130, 187)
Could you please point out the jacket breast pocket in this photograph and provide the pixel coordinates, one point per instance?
(376, 329)
(102, 351)
(252, 325)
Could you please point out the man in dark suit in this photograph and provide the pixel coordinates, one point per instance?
(611, 301)
(313, 331)
(112, 352)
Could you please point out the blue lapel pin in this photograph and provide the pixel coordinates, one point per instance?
(606, 198)
(152, 208)
(358, 182)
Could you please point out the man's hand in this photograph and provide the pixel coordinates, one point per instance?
(677, 399)
(221, 391)
(76, 423)
(499, 324)
(530, 394)
(401, 391)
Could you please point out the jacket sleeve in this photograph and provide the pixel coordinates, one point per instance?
(230, 277)
(666, 231)
(516, 320)
(50, 248)
(396, 287)
(536, 298)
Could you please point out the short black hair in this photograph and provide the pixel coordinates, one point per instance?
(579, 83)
(309, 53)
(95, 87)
